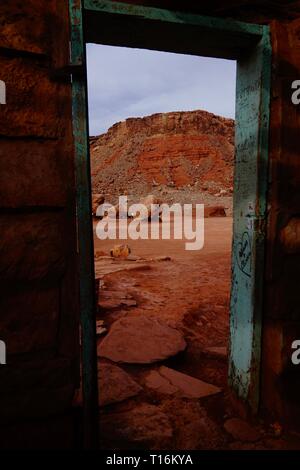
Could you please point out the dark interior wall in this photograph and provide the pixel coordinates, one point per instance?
(38, 265)
(280, 377)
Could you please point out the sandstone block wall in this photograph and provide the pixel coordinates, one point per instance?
(38, 261)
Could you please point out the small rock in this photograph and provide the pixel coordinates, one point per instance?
(161, 258)
(120, 251)
(214, 211)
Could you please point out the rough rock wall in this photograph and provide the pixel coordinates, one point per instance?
(180, 149)
(38, 285)
(281, 378)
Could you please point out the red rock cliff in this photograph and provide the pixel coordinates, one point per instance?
(176, 149)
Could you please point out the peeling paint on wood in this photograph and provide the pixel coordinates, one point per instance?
(84, 228)
(251, 178)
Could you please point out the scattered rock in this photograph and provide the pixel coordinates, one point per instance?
(120, 251)
(115, 384)
(240, 430)
(214, 211)
(170, 381)
(141, 340)
(146, 424)
(161, 258)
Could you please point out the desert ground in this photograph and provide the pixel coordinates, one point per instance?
(163, 325)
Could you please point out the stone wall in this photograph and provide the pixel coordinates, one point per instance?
(38, 265)
(280, 378)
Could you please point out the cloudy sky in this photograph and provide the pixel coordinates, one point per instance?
(125, 82)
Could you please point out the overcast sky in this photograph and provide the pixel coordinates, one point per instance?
(125, 82)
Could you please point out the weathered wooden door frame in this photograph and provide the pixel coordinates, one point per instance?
(120, 24)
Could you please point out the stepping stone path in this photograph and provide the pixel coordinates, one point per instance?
(115, 384)
(170, 381)
(140, 340)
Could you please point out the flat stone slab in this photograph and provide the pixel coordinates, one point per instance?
(145, 424)
(172, 382)
(108, 265)
(115, 299)
(240, 430)
(140, 340)
(115, 385)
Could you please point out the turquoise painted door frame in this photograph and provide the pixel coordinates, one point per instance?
(120, 24)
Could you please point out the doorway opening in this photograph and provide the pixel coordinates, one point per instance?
(112, 24)
(163, 309)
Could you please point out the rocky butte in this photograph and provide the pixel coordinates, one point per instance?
(188, 151)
